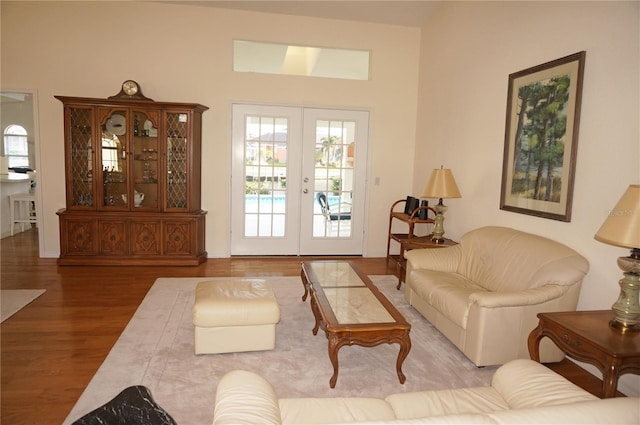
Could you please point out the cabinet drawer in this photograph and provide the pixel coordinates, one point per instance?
(145, 237)
(178, 237)
(78, 236)
(113, 237)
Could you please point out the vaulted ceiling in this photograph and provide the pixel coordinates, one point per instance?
(394, 12)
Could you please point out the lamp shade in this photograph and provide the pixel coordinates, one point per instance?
(441, 184)
(622, 226)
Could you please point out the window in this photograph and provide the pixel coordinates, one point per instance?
(273, 58)
(16, 146)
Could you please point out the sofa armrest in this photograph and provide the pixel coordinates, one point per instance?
(438, 259)
(244, 397)
(525, 384)
(518, 298)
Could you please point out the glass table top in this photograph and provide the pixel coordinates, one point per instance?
(356, 305)
(335, 274)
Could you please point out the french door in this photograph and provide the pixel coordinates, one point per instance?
(298, 181)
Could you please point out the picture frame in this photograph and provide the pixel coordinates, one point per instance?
(541, 138)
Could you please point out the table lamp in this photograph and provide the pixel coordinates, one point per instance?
(441, 185)
(622, 228)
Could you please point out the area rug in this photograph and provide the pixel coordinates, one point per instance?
(156, 350)
(13, 300)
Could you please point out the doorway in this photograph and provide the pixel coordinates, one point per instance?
(298, 180)
(19, 108)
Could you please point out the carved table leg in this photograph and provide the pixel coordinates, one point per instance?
(399, 271)
(405, 346)
(609, 380)
(533, 343)
(305, 285)
(316, 314)
(335, 343)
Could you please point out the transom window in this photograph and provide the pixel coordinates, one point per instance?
(310, 61)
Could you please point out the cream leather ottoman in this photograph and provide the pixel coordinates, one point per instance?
(234, 315)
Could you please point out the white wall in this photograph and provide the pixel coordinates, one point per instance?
(183, 54)
(468, 51)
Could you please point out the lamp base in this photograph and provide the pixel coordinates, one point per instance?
(627, 307)
(437, 234)
(624, 328)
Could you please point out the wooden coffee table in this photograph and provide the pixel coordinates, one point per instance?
(351, 310)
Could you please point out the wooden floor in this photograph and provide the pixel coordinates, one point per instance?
(51, 349)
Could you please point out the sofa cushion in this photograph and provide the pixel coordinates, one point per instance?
(464, 419)
(446, 402)
(524, 384)
(445, 259)
(235, 302)
(500, 259)
(334, 410)
(446, 292)
(620, 411)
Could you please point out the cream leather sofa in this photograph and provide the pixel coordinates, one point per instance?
(521, 392)
(484, 294)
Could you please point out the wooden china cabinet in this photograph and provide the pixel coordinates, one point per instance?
(132, 172)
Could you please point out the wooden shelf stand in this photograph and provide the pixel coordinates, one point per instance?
(408, 241)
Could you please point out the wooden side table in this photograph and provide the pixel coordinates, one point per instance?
(410, 220)
(417, 242)
(586, 336)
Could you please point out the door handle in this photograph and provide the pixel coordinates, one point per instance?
(305, 191)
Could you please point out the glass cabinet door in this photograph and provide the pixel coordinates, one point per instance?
(145, 160)
(113, 155)
(177, 156)
(80, 164)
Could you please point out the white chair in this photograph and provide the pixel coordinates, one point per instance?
(23, 210)
(32, 180)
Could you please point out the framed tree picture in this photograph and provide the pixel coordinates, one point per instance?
(541, 138)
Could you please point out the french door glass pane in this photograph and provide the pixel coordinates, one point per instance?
(265, 158)
(334, 163)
